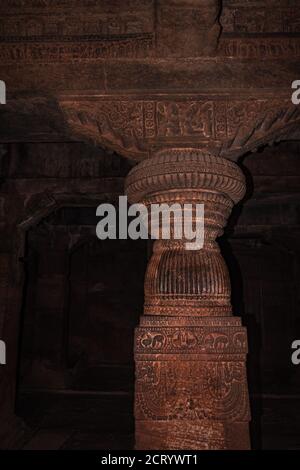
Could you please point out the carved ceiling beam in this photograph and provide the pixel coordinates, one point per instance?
(53, 31)
(72, 30)
(138, 127)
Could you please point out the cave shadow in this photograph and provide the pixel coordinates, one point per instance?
(32, 405)
(254, 368)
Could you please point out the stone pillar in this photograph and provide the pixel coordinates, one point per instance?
(191, 386)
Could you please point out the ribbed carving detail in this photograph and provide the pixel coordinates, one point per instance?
(179, 281)
(187, 169)
(175, 276)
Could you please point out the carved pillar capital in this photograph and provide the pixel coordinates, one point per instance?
(191, 387)
(188, 177)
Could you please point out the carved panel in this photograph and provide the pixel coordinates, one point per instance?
(120, 123)
(199, 18)
(255, 16)
(48, 31)
(188, 390)
(177, 119)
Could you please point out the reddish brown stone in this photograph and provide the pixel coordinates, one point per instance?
(191, 385)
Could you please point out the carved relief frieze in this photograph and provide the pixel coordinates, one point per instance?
(65, 31)
(258, 123)
(137, 126)
(118, 124)
(168, 390)
(178, 119)
(255, 16)
(259, 48)
(59, 26)
(73, 51)
(66, 5)
(191, 340)
(62, 31)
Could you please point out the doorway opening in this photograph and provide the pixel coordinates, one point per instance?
(82, 300)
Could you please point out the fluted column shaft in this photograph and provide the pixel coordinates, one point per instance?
(191, 386)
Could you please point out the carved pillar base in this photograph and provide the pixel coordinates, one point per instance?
(191, 385)
(190, 352)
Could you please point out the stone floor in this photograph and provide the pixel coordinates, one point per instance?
(93, 420)
(68, 439)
